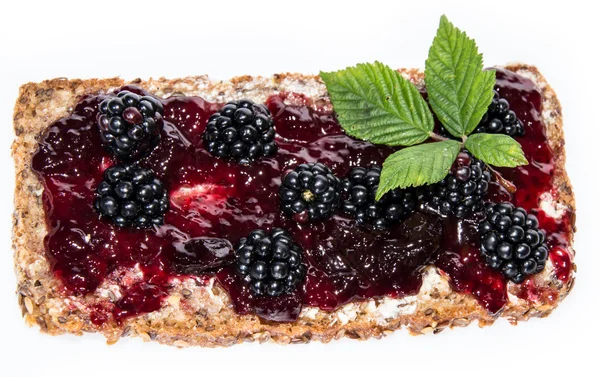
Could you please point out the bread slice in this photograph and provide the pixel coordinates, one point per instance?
(203, 315)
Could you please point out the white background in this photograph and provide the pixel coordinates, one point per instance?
(227, 38)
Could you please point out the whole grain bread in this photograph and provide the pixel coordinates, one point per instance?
(203, 315)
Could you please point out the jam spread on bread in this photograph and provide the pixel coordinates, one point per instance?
(215, 201)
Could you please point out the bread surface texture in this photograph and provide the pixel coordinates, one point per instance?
(195, 314)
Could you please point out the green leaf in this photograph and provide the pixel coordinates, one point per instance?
(375, 103)
(497, 150)
(417, 165)
(459, 90)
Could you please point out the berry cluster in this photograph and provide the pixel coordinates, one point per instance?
(360, 188)
(310, 189)
(462, 191)
(131, 196)
(499, 119)
(271, 264)
(511, 241)
(130, 124)
(242, 131)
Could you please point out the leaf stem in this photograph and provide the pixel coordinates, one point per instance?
(437, 137)
(508, 185)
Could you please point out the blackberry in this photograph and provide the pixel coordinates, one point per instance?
(310, 190)
(130, 124)
(462, 191)
(271, 264)
(131, 196)
(360, 188)
(242, 131)
(511, 241)
(498, 119)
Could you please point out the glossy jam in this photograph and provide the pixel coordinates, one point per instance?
(214, 203)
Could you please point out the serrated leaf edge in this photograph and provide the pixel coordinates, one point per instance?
(513, 159)
(409, 108)
(443, 160)
(480, 81)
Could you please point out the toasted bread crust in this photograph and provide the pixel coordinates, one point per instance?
(202, 315)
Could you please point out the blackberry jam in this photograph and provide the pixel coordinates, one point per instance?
(216, 202)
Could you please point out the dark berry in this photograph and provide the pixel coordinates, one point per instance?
(462, 191)
(271, 264)
(242, 131)
(130, 196)
(510, 243)
(130, 124)
(360, 188)
(311, 189)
